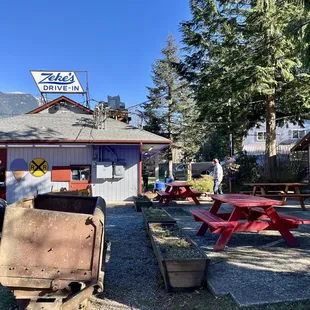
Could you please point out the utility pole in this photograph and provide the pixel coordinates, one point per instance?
(231, 146)
(231, 151)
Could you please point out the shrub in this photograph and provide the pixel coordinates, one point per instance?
(290, 172)
(203, 184)
(244, 170)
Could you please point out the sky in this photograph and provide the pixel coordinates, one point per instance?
(115, 41)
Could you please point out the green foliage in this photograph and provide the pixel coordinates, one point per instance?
(172, 111)
(173, 243)
(290, 172)
(157, 214)
(244, 57)
(214, 146)
(244, 170)
(249, 171)
(203, 184)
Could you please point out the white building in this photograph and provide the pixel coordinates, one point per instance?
(255, 141)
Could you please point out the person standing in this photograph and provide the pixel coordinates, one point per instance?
(218, 176)
(145, 177)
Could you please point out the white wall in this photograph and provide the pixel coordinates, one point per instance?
(116, 190)
(283, 133)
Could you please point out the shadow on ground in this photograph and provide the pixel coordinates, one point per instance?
(259, 271)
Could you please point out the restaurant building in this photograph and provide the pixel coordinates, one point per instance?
(58, 146)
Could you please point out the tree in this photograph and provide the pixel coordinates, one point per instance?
(171, 109)
(246, 62)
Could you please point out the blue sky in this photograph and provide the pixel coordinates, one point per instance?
(116, 41)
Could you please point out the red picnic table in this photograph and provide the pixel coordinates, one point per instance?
(178, 190)
(249, 213)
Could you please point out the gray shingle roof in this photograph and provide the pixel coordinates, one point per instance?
(71, 127)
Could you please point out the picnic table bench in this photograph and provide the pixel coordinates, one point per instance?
(281, 190)
(249, 213)
(178, 190)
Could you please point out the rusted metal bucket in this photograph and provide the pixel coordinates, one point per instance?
(52, 247)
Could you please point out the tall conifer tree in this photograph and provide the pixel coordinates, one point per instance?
(171, 110)
(247, 62)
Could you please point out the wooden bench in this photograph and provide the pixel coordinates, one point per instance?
(301, 197)
(275, 193)
(284, 195)
(287, 217)
(246, 192)
(211, 219)
(196, 193)
(293, 219)
(163, 194)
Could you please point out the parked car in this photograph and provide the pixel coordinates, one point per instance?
(198, 169)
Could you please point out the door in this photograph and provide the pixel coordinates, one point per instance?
(3, 162)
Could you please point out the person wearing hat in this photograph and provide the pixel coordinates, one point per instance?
(218, 176)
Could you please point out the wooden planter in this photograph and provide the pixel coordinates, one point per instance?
(164, 220)
(139, 204)
(179, 274)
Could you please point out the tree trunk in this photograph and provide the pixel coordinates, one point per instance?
(271, 142)
(170, 134)
(189, 170)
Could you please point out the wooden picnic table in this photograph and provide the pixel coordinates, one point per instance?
(249, 213)
(284, 190)
(178, 190)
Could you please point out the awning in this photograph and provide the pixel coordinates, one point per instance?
(151, 149)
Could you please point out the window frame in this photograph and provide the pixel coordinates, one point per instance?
(80, 166)
(257, 136)
(298, 131)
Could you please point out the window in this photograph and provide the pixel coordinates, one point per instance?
(298, 133)
(80, 173)
(261, 136)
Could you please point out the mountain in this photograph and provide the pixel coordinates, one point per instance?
(16, 103)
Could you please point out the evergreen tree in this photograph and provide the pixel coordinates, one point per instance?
(171, 108)
(246, 60)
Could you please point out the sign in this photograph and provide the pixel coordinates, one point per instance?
(57, 82)
(38, 167)
(19, 167)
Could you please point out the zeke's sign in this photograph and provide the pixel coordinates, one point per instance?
(57, 82)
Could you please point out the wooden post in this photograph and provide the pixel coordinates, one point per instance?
(156, 168)
(140, 172)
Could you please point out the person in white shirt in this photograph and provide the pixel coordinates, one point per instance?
(218, 176)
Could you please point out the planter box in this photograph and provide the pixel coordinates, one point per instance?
(139, 204)
(179, 273)
(163, 217)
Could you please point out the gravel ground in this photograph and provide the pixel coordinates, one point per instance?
(132, 279)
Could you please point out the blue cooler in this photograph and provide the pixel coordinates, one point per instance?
(159, 186)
